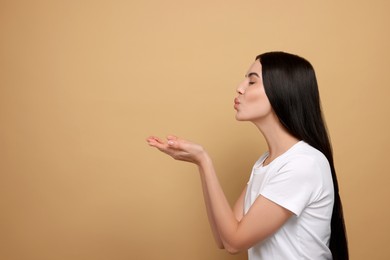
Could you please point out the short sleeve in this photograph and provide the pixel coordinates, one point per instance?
(293, 184)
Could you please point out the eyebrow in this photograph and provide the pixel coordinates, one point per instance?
(252, 74)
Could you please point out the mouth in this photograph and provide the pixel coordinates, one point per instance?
(236, 103)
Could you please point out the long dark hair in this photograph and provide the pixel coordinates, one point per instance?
(291, 87)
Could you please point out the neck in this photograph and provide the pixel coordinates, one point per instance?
(278, 139)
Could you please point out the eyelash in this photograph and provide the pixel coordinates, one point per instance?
(251, 83)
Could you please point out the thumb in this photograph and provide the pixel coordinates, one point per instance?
(172, 137)
(173, 143)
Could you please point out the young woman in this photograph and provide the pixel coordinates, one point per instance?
(290, 208)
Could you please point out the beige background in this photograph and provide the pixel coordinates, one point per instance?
(83, 83)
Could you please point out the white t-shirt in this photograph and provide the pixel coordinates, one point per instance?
(299, 180)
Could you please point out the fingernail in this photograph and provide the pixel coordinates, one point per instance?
(170, 142)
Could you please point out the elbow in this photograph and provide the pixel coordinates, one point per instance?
(232, 249)
(234, 246)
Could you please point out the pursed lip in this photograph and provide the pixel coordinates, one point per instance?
(236, 103)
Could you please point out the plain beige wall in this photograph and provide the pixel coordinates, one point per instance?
(83, 83)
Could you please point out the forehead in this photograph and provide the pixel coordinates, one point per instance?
(255, 67)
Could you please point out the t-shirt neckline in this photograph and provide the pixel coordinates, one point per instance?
(266, 154)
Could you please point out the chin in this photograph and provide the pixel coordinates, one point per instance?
(239, 118)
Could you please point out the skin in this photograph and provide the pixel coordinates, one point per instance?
(233, 230)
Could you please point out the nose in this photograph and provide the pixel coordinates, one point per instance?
(241, 89)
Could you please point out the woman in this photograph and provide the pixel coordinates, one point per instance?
(290, 208)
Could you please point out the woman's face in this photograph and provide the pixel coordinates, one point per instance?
(252, 103)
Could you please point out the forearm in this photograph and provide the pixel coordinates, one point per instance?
(211, 216)
(223, 220)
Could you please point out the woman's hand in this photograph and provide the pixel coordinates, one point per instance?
(179, 149)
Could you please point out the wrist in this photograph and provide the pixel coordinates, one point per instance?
(204, 160)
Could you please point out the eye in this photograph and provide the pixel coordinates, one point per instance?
(251, 82)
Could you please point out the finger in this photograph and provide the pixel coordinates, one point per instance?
(150, 139)
(152, 142)
(156, 142)
(172, 137)
(161, 147)
(155, 139)
(159, 140)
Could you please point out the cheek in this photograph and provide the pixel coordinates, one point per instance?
(258, 101)
(257, 96)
